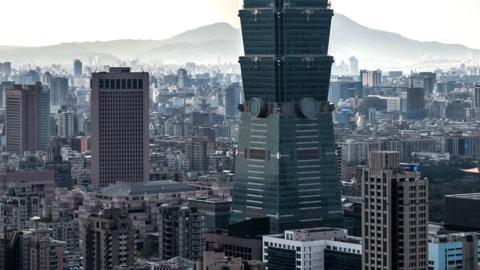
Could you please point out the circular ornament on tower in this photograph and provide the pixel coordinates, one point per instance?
(309, 107)
(257, 107)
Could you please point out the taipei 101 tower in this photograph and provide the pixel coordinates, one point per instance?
(286, 165)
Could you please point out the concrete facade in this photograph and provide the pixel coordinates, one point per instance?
(120, 118)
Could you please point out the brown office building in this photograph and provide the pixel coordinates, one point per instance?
(27, 118)
(120, 118)
(395, 215)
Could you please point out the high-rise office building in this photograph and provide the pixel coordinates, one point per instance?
(77, 68)
(56, 163)
(416, 103)
(46, 78)
(477, 96)
(58, 90)
(197, 152)
(445, 87)
(233, 97)
(344, 89)
(6, 68)
(120, 138)
(428, 80)
(353, 65)
(3, 88)
(28, 77)
(109, 240)
(65, 123)
(182, 78)
(27, 120)
(286, 165)
(371, 78)
(395, 215)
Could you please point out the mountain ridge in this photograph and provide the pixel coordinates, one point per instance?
(206, 44)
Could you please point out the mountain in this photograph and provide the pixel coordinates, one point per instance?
(389, 50)
(221, 41)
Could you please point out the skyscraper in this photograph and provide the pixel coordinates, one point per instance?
(3, 88)
(353, 65)
(233, 97)
(182, 78)
(6, 68)
(371, 78)
(120, 139)
(65, 123)
(77, 68)
(428, 80)
(416, 103)
(27, 120)
(286, 165)
(477, 96)
(395, 215)
(58, 90)
(197, 151)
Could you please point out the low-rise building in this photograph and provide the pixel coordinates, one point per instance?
(312, 249)
(218, 261)
(453, 251)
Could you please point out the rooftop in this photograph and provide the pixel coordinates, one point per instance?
(452, 237)
(314, 234)
(211, 200)
(146, 188)
(119, 70)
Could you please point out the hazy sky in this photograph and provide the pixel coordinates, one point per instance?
(42, 22)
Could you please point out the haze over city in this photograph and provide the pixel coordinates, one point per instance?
(90, 20)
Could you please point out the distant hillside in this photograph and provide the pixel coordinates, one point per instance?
(390, 50)
(374, 48)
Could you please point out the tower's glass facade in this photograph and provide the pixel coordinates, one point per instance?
(286, 165)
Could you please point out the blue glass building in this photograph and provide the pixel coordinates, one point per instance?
(453, 251)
